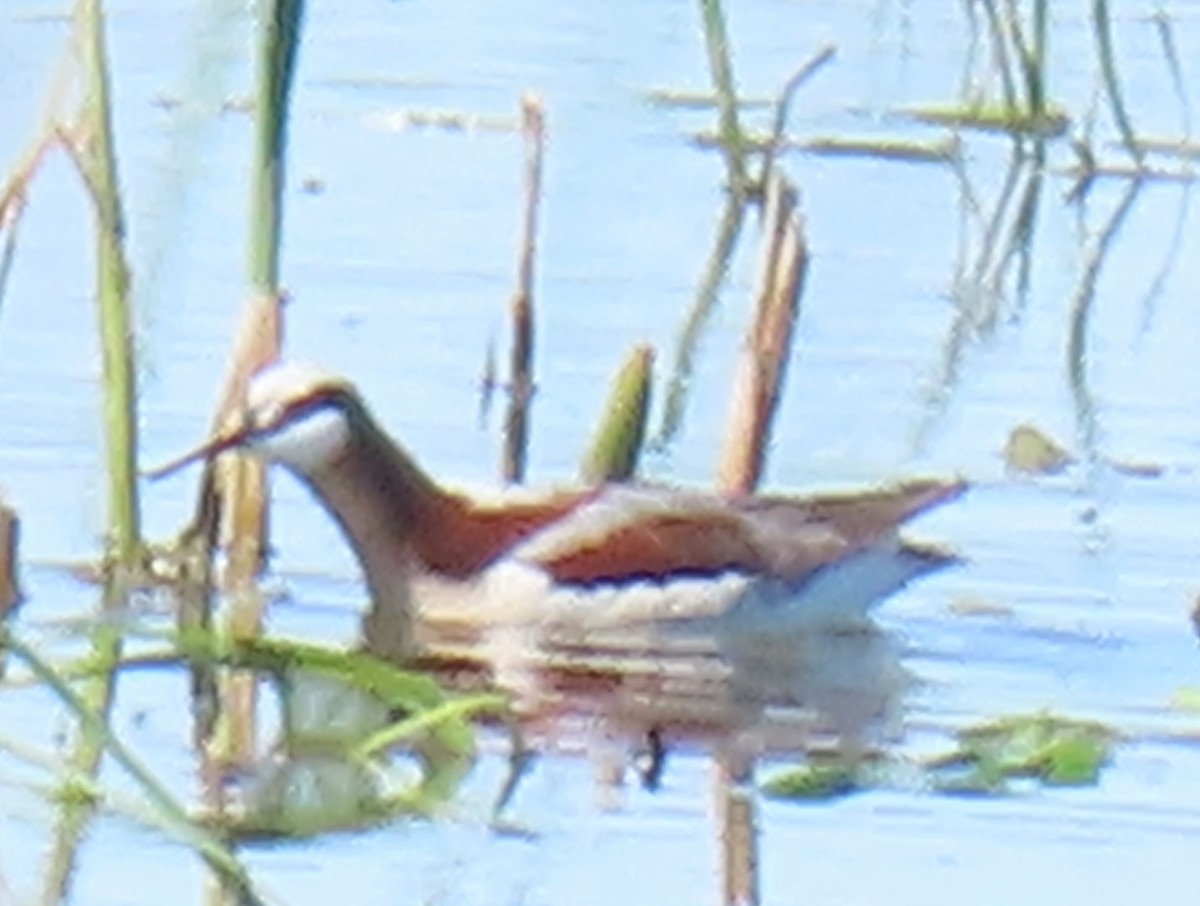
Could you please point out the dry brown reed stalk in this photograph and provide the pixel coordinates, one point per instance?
(15, 190)
(240, 484)
(92, 148)
(757, 387)
(10, 588)
(733, 212)
(516, 428)
(239, 480)
(737, 823)
(231, 512)
(52, 132)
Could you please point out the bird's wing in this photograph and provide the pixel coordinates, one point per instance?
(632, 533)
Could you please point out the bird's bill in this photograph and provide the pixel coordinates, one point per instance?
(214, 447)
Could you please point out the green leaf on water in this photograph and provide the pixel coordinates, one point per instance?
(1045, 748)
(1029, 449)
(814, 782)
(995, 117)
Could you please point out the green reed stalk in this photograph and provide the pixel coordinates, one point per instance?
(721, 66)
(243, 485)
(113, 293)
(716, 268)
(998, 32)
(279, 42)
(1038, 60)
(1102, 24)
(99, 169)
(617, 444)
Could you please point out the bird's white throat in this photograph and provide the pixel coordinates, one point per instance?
(308, 442)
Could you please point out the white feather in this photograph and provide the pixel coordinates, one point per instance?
(306, 443)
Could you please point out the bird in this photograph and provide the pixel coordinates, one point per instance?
(654, 606)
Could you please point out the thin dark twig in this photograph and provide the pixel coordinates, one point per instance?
(1102, 24)
(8, 255)
(715, 270)
(1081, 315)
(783, 106)
(1166, 37)
(1000, 51)
(516, 433)
(1170, 259)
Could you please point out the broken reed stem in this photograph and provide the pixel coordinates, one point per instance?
(783, 106)
(720, 66)
(241, 480)
(15, 190)
(96, 158)
(617, 444)
(759, 383)
(516, 427)
(757, 389)
(8, 254)
(736, 817)
(10, 587)
(49, 134)
(16, 187)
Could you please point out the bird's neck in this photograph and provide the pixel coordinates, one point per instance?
(383, 502)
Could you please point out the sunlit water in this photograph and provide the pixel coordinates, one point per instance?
(399, 272)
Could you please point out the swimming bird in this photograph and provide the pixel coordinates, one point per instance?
(661, 606)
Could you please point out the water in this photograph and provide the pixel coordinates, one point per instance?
(399, 271)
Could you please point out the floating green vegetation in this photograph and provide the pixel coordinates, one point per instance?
(1044, 748)
(1031, 450)
(941, 150)
(817, 782)
(994, 117)
(1187, 698)
(1171, 147)
(699, 100)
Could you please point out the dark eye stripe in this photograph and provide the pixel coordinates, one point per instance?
(331, 397)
